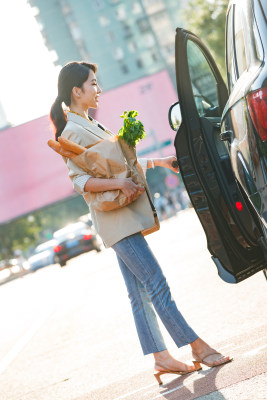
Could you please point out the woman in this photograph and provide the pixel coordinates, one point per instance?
(146, 284)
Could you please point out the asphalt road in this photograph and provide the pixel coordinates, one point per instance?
(68, 333)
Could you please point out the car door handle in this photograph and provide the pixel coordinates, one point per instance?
(227, 135)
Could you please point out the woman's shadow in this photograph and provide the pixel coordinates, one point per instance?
(199, 384)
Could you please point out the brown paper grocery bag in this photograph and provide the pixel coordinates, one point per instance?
(105, 159)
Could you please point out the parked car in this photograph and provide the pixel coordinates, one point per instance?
(43, 255)
(221, 138)
(73, 240)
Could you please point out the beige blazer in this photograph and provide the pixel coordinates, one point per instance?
(112, 226)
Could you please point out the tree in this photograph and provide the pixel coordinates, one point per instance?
(206, 19)
(26, 232)
(18, 234)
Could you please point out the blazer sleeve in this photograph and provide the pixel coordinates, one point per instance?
(77, 175)
(79, 183)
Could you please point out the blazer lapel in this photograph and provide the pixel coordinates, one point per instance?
(88, 125)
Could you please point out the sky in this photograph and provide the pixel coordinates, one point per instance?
(28, 77)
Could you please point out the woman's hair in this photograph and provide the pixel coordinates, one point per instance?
(73, 74)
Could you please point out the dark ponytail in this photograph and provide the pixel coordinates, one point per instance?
(73, 74)
(58, 117)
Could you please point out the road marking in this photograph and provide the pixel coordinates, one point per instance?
(13, 353)
(234, 347)
(135, 391)
(226, 347)
(169, 391)
(255, 351)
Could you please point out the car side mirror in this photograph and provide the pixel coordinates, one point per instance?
(175, 116)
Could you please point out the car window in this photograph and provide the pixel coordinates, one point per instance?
(229, 50)
(240, 49)
(203, 82)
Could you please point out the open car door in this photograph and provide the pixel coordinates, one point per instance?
(234, 236)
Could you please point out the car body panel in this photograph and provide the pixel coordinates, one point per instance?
(248, 152)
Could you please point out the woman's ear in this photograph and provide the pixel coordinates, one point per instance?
(76, 92)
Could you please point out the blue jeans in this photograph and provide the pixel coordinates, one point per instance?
(147, 285)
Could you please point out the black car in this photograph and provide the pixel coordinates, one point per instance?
(73, 240)
(221, 139)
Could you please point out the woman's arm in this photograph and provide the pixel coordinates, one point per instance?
(165, 162)
(126, 185)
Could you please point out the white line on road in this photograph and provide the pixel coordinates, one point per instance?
(234, 347)
(168, 392)
(226, 346)
(254, 351)
(135, 391)
(13, 353)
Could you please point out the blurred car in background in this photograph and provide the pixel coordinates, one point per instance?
(221, 140)
(43, 255)
(74, 239)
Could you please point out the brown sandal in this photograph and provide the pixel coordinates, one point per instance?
(211, 365)
(157, 374)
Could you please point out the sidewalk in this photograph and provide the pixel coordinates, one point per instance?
(7, 275)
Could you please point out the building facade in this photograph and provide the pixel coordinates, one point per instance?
(128, 39)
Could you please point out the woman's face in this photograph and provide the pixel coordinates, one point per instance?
(89, 92)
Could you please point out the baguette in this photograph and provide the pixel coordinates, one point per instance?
(53, 144)
(71, 146)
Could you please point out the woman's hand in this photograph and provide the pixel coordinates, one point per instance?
(166, 162)
(130, 189)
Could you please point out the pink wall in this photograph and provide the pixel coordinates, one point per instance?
(33, 176)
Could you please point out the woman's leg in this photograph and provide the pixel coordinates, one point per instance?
(137, 256)
(145, 319)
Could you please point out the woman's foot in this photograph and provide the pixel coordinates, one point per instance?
(205, 354)
(165, 362)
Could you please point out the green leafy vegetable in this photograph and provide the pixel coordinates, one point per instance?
(132, 130)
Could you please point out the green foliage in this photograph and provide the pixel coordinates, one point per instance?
(132, 130)
(207, 20)
(28, 231)
(18, 234)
